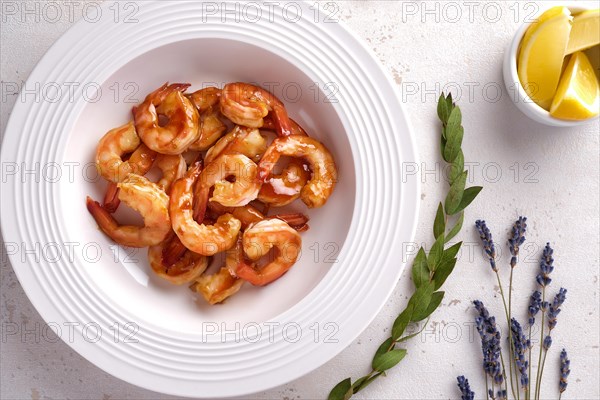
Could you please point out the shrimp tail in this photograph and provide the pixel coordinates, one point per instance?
(298, 221)
(103, 218)
(257, 278)
(182, 87)
(111, 198)
(283, 126)
(173, 251)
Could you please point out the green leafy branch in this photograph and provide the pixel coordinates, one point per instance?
(429, 271)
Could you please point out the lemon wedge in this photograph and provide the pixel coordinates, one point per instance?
(585, 32)
(578, 94)
(541, 54)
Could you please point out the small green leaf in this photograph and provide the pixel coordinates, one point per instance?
(402, 321)
(443, 110)
(457, 227)
(435, 253)
(455, 194)
(388, 360)
(454, 121)
(439, 225)
(451, 251)
(420, 300)
(420, 271)
(457, 167)
(449, 101)
(443, 271)
(363, 382)
(384, 347)
(436, 299)
(405, 338)
(468, 196)
(453, 143)
(341, 391)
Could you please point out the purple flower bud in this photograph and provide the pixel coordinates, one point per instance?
(465, 389)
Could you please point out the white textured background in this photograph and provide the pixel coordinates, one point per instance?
(549, 175)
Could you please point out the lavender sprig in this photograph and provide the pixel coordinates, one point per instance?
(465, 389)
(520, 345)
(546, 267)
(565, 370)
(516, 239)
(554, 308)
(543, 279)
(535, 303)
(553, 311)
(488, 243)
(493, 363)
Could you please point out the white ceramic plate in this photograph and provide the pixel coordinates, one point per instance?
(144, 330)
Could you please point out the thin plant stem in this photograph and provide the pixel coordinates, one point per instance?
(542, 371)
(487, 390)
(504, 372)
(543, 364)
(508, 322)
(511, 348)
(537, 380)
(529, 383)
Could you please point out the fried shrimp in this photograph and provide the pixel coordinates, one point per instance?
(241, 191)
(216, 287)
(181, 127)
(258, 240)
(246, 141)
(247, 105)
(324, 172)
(112, 149)
(198, 237)
(172, 168)
(185, 269)
(149, 200)
(211, 127)
(282, 189)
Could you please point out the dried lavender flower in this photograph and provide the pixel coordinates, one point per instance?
(547, 342)
(465, 389)
(488, 243)
(565, 370)
(490, 342)
(520, 345)
(502, 395)
(554, 308)
(546, 267)
(516, 239)
(535, 303)
(544, 306)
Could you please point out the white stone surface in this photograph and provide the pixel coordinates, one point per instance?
(549, 175)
